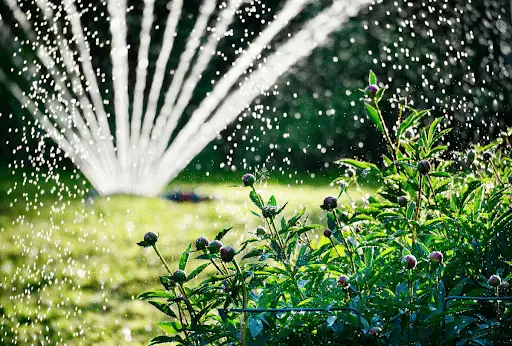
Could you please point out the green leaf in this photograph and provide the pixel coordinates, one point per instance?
(385, 253)
(440, 174)
(410, 210)
(184, 257)
(163, 339)
(170, 327)
(357, 164)
(143, 244)
(379, 94)
(296, 217)
(272, 201)
(222, 233)
(197, 271)
(155, 294)
(255, 325)
(256, 199)
(374, 116)
(164, 307)
(372, 78)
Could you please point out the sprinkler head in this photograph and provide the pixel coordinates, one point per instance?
(402, 201)
(202, 243)
(330, 203)
(179, 276)
(436, 256)
(371, 90)
(494, 281)
(150, 238)
(227, 253)
(409, 261)
(343, 281)
(424, 167)
(248, 179)
(327, 233)
(215, 246)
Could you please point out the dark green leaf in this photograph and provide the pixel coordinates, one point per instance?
(184, 257)
(197, 271)
(164, 307)
(155, 294)
(222, 233)
(374, 116)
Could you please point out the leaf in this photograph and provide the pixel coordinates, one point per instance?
(440, 174)
(197, 271)
(170, 327)
(222, 233)
(155, 294)
(380, 93)
(410, 121)
(410, 210)
(372, 78)
(164, 307)
(253, 253)
(385, 253)
(374, 116)
(255, 325)
(143, 244)
(163, 339)
(296, 217)
(256, 199)
(357, 164)
(184, 257)
(272, 201)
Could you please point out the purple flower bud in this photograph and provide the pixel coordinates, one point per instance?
(371, 90)
(373, 330)
(358, 230)
(436, 256)
(227, 253)
(248, 179)
(424, 167)
(327, 233)
(215, 246)
(402, 201)
(179, 276)
(343, 281)
(150, 238)
(202, 243)
(330, 203)
(494, 280)
(409, 261)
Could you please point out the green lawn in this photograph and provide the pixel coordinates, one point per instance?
(70, 271)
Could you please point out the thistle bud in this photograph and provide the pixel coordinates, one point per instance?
(202, 243)
(179, 276)
(327, 233)
(215, 246)
(436, 256)
(330, 203)
(343, 281)
(150, 238)
(371, 90)
(402, 201)
(227, 253)
(424, 167)
(409, 261)
(248, 179)
(494, 280)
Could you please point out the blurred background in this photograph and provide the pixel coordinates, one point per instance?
(70, 267)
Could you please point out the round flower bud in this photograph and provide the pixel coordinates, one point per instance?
(373, 330)
(269, 211)
(261, 231)
(215, 246)
(227, 253)
(402, 201)
(424, 167)
(343, 281)
(409, 261)
(179, 276)
(371, 90)
(358, 230)
(494, 280)
(202, 243)
(327, 233)
(436, 256)
(330, 203)
(150, 238)
(248, 179)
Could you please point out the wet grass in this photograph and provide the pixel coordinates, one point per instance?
(70, 270)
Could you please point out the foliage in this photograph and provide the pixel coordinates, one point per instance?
(438, 226)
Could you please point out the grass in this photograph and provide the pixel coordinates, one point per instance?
(70, 271)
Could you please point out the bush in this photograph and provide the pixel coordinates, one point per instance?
(438, 226)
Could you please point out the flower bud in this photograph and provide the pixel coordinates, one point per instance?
(358, 230)
(494, 280)
(202, 243)
(343, 281)
(150, 238)
(215, 246)
(330, 203)
(424, 167)
(371, 90)
(327, 233)
(436, 256)
(373, 330)
(269, 211)
(248, 179)
(227, 253)
(409, 261)
(179, 276)
(402, 201)
(261, 231)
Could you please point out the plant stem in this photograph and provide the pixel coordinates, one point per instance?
(243, 324)
(345, 244)
(418, 202)
(386, 134)
(162, 258)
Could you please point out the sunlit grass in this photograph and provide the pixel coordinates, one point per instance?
(72, 273)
